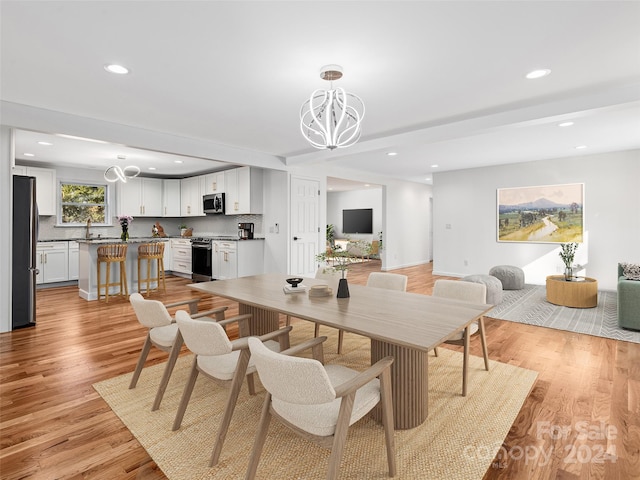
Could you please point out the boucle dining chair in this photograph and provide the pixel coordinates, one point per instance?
(320, 402)
(467, 292)
(390, 281)
(163, 334)
(331, 276)
(222, 360)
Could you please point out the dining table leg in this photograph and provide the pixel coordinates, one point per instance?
(409, 383)
(262, 320)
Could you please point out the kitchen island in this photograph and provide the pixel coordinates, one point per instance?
(88, 265)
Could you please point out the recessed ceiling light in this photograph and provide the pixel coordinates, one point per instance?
(114, 68)
(177, 161)
(367, 185)
(538, 73)
(435, 165)
(45, 143)
(565, 124)
(73, 137)
(152, 168)
(28, 154)
(392, 154)
(580, 147)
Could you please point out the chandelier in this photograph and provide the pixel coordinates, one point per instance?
(331, 118)
(115, 173)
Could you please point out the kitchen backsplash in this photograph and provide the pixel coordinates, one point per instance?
(141, 226)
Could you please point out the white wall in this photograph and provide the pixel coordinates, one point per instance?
(365, 198)
(6, 213)
(466, 200)
(276, 211)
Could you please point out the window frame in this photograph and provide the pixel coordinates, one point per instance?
(107, 205)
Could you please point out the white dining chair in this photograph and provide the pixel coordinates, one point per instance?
(320, 402)
(222, 360)
(389, 281)
(163, 334)
(467, 292)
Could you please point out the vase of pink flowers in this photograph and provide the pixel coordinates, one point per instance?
(125, 220)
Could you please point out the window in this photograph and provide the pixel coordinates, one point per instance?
(82, 202)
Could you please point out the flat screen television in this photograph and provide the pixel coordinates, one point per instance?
(359, 220)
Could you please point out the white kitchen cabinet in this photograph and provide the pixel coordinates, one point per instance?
(181, 256)
(224, 260)
(213, 183)
(74, 253)
(171, 198)
(233, 259)
(243, 191)
(191, 196)
(141, 197)
(46, 187)
(52, 261)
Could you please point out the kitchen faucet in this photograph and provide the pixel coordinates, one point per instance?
(88, 233)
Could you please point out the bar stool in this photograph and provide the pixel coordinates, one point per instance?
(150, 252)
(110, 254)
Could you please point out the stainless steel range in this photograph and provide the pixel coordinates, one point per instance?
(201, 259)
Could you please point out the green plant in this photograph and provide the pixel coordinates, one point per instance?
(182, 225)
(339, 257)
(567, 253)
(331, 235)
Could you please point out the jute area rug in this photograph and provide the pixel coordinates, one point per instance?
(530, 306)
(458, 440)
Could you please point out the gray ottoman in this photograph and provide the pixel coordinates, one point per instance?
(494, 287)
(512, 278)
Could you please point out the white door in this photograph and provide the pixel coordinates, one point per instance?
(305, 227)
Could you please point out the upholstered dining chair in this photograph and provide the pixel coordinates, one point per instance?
(467, 292)
(163, 334)
(332, 276)
(390, 281)
(222, 360)
(320, 402)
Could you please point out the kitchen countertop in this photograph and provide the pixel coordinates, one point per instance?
(229, 238)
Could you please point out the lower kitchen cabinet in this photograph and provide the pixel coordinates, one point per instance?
(52, 262)
(233, 259)
(181, 256)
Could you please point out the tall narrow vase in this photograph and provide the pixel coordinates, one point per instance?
(125, 234)
(343, 288)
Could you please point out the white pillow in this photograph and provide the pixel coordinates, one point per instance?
(631, 271)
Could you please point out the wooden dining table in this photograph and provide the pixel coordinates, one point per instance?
(400, 324)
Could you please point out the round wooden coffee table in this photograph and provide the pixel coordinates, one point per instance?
(579, 293)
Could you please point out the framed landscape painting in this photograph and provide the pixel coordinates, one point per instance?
(545, 214)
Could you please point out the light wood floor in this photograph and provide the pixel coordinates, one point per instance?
(584, 407)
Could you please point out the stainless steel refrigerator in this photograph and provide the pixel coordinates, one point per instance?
(25, 237)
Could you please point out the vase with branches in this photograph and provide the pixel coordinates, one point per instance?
(567, 254)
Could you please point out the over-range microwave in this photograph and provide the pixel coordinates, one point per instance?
(213, 203)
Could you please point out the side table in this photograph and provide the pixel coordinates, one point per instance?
(580, 293)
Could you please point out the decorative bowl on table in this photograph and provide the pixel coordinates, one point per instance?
(294, 281)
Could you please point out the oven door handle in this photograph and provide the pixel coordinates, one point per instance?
(202, 247)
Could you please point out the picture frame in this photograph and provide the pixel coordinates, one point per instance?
(541, 214)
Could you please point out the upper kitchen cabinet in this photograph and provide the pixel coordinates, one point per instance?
(171, 198)
(140, 197)
(243, 191)
(213, 183)
(191, 196)
(46, 187)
